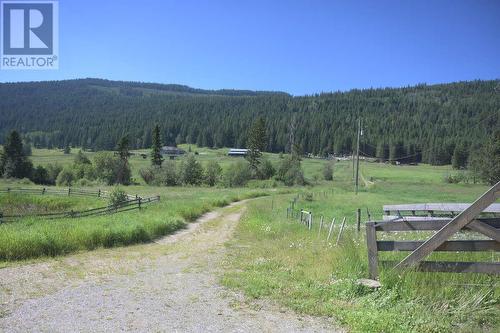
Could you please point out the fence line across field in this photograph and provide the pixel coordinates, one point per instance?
(61, 191)
(132, 202)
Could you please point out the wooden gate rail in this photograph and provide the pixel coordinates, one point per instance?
(375, 246)
(468, 219)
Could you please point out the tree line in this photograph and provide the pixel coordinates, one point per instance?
(426, 123)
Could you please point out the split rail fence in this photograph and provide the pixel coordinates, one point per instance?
(132, 202)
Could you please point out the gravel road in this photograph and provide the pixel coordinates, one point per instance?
(167, 286)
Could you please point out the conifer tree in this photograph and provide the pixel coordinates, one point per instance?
(156, 157)
(256, 144)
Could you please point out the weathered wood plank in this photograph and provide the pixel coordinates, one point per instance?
(422, 225)
(454, 267)
(457, 245)
(457, 223)
(485, 229)
(438, 207)
(371, 244)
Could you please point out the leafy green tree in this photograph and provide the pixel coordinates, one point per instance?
(67, 150)
(213, 173)
(290, 172)
(238, 174)
(156, 157)
(81, 158)
(65, 177)
(256, 144)
(13, 162)
(192, 171)
(266, 169)
(40, 176)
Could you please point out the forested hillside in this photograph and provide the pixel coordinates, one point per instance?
(423, 122)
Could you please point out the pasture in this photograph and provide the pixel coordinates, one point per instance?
(272, 256)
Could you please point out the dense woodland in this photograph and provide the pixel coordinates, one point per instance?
(412, 124)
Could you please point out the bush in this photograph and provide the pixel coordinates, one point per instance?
(167, 175)
(308, 196)
(266, 169)
(191, 171)
(40, 176)
(117, 197)
(53, 171)
(147, 175)
(290, 172)
(111, 169)
(238, 174)
(65, 177)
(213, 173)
(328, 171)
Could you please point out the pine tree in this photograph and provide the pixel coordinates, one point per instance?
(256, 144)
(489, 168)
(123, 173)
(156, 157)
(459, 158)
(13, 162)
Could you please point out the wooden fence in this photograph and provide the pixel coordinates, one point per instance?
(132, 202)
(63, 191)
(468, 219)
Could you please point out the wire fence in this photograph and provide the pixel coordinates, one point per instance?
(132, 202)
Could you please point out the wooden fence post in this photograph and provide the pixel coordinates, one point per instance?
(330, 230)
(358, 219)
(43, 191)
(340, 231)
(140, 203)
(320, 225)
(310, 221)
(99, 193)
(69, 191)
(371, 244)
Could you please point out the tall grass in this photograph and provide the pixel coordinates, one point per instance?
(278, 258)
(36, 237)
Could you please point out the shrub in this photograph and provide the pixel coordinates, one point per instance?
(166, 175)
(290, 172)
(191, 171)
(53, 171)
(328, 171)
(213, 173)
(147, 175)
(40, 176)
(111, 169)
(238, 174)
(266, 169)
(308, 196)
(117, 196)
(65, 177)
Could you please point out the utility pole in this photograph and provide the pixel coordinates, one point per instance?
(353, 165)
(357, 155)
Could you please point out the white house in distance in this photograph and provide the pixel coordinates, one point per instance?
(235, 152)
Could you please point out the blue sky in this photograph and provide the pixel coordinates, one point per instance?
(301, 47)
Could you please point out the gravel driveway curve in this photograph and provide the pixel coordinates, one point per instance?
(167, 286)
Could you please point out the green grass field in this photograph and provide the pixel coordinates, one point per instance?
(277, 258)
(272, 256)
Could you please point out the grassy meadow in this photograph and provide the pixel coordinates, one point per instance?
(278, 258)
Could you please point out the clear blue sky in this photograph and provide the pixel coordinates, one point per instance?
(301, 47)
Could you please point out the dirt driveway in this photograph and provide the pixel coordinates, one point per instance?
(167, 286)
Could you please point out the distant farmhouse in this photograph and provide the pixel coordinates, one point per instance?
(237, 152)
(171, 152)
